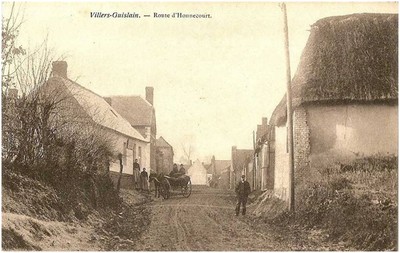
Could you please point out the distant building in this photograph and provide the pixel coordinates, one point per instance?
(140, 113)
(241, 164)
(216, 168)
(85, 108)
(164, 156)
(197, 173)
(345, 95)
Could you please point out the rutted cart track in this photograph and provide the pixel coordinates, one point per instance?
(204, 221)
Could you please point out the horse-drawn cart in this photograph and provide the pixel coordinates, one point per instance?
(166, 185)
(181, 185)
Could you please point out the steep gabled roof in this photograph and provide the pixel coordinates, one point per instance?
(96, 108)
(137, 110)
(346, 59)
(161, 142)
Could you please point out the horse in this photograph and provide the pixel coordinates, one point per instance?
(157, 178)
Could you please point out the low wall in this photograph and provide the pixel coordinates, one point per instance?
(126, 180)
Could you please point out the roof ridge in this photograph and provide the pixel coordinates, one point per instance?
(125, 96)
(83, 87)
(116, 114)
(165, 140)
(128, 96)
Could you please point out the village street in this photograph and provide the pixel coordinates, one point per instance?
(206, 221)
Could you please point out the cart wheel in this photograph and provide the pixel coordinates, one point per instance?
(187, 189)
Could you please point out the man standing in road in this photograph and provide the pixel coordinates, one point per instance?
(136, 174)
(242, 191)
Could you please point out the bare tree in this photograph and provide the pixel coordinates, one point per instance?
(43, 135)
(187, 151)
(10, 30)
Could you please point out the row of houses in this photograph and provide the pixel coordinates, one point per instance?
(345, 103)
(130, 122)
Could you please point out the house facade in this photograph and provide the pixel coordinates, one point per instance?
(140, 113)
(345, 96)
(164, 156)
(87, 111)
(197, 173)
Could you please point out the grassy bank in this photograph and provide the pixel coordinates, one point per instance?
(37, 216)
(354, 203)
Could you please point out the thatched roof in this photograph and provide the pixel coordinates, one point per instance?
(347, 59)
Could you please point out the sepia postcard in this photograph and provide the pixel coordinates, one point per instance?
(199, 126)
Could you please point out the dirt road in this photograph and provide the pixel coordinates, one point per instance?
(204, 221)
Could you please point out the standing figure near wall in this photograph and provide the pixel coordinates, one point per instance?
(144, 177)
(136, 175)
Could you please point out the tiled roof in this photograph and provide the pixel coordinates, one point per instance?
(97, 108)
(137, 110)
(161, 142)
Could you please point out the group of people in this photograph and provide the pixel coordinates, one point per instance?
(242, 189)
(177, 172)
(141, 178)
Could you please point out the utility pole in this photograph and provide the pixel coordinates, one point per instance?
(254, 161)
(289, 112)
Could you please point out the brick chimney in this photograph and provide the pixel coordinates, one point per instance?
(264, 121)
(150, 95)
(259, 132)
(60, 69)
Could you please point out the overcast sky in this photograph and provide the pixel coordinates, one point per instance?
(213, 78)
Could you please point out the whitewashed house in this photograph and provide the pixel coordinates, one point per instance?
(197, 173)
(83, 106)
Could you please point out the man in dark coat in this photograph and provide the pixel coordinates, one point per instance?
(174, 171)
(242, 191)
(182, 170)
